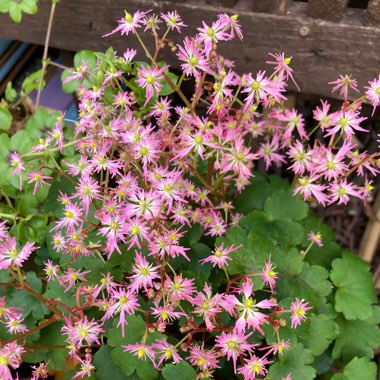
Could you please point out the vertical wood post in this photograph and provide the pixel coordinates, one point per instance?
(331, 10)
(373, 13)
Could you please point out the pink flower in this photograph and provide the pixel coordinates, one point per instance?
(10, 355)
(150, 79)
(254, 367)
(72, 217)
(10, 255)
(211, 35)
(144, 273)
(123, 302)
(86, 367)
(248, 309)
(315, 238)
(299, 309)
(308, 189)
(322, 115)
(81, 330)
(346, 121)
(220, 256)
(71, 276)
(166, 314)
(231, 23)
(373, 93)
(341, 190)
(38, 178)
(269, 275)
(282, 66)
(344, 83)
(180, 288)
(167, 351)
(51, 270)
(194, 61)
(142, 351)
(17, 165)
(173, 20)
(207, 306)
(3, 230)
(129, 23)
(14, 324)
(234, 345)
(260, 89)
(203, 358)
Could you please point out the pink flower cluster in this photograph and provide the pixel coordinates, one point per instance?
(146, 172)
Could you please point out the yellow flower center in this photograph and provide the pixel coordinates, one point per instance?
(193, 61)
(135, 230)
(123, 299)
(231, 344)
(4, 360)
(210, 32)
(144, 271)
(128, 17)
(149, 79)
(255, 85)
(144, 151)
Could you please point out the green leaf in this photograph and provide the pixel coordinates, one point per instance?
(296, 361)
(85, 56)
(166, 89)
(5, 119)
(32, 82)
(355, 294)
(249, 258)
(283, 205)
(322, 332)
(21, 142)
(311, 284)
(27, 301)
(39, 121)
(57, 292)
(29, 6)
(10, 92)
(356, 338)
(128, 363)
(52, 336)
(105, 367)
(4, 6)
(133, 332)
(288, 261)
(358, 369)
(253, 197)
(182, 370)
(4, 146)
(15, 12)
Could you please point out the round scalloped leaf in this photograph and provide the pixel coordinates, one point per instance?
(355, 294)
(283, 205)
(182, 370)
(296, 361)
(358, 369)
(322, 332)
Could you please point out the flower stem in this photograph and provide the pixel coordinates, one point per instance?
(45, 55)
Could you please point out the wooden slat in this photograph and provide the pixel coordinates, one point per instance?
(371, 237)
(331, 10)
(271, 6)
(327, 50)
(373, 13)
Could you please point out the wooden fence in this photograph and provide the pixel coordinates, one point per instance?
(325, 37)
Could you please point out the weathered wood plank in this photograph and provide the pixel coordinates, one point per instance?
(373, 13)
(319, 54)
(331, 10)
(271, 6)
(371, 237)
